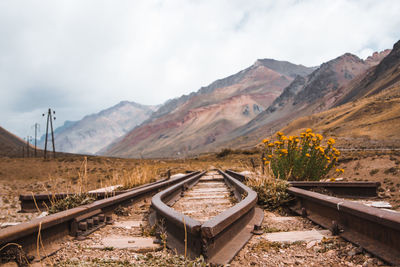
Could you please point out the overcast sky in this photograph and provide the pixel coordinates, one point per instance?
(81, 56)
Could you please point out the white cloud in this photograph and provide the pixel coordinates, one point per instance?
(83, 56)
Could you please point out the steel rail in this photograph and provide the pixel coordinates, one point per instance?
(342, 189)
(218, 239)
(33, 203)
(375, 230)
(56, 226)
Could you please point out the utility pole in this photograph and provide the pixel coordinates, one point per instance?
(50, 118)
(37, 128)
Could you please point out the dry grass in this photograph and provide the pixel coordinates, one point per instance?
(272, 193)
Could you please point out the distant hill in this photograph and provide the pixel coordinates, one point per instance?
(183, 126)
(368, 114)
(10, 144)
(95, 132)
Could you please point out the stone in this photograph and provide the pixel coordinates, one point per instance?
(106, 189)
(137, 244)
(127, 224)
(311, 244)
(43, 214)
(369, 262)
(294, 236)
(8, 224)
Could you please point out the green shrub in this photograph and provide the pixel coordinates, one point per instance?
(224, 152)
(300, 158)
(71, 201)
(272, 193)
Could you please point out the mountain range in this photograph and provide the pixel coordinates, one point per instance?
(94, 132)
(347, 97)
(240, 110)
(184, 126)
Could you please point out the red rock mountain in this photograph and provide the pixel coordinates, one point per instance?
(321, 90)
(368, 112)
(185, 125)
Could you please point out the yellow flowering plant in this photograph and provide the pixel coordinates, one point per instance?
(301, 157)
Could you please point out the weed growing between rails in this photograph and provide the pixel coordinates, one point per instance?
(300, 158)
(272, 193)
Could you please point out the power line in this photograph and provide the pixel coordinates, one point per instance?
(37, 128)
(50, 117)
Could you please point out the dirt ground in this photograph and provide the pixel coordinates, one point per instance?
(75, 174)
(72, 174)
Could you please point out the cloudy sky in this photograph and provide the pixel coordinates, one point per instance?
(82, 56)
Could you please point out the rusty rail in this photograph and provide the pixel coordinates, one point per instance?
(342, 189)
(375, 230)
(33, 203)
(58, 225)
(220, 238)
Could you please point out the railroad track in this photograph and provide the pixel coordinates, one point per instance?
(214, 216)
(209, 234)
(375, 230)
(79, 221)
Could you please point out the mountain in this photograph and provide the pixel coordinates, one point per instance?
(368, 114)
(96, 131)
(10, 144)
(184, 125)
(319, 91)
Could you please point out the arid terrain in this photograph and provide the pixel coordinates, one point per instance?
(73, 174)
(67, 174)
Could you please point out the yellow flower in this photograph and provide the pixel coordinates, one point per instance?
(308, 155)
(314, 139)
(297, 140)
(342, 170)
(265, 141)
(270, 156)
(270, 144)
(331, 141)
(284, 151)
(266, 162)
(283, 138)
(308, 130)
(332, 179)
(320, 137)
(264, 159)
(279, 133)
(337, 170)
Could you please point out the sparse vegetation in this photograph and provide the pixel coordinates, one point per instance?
(224, 152)
(300, 158)
(373, 172)
(272, 193)
(166, 259)
(71, 201)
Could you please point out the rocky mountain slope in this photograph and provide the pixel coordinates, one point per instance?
(184, 125)
(10, 144)
(368, 115)
(319, 91)
(97, 131)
